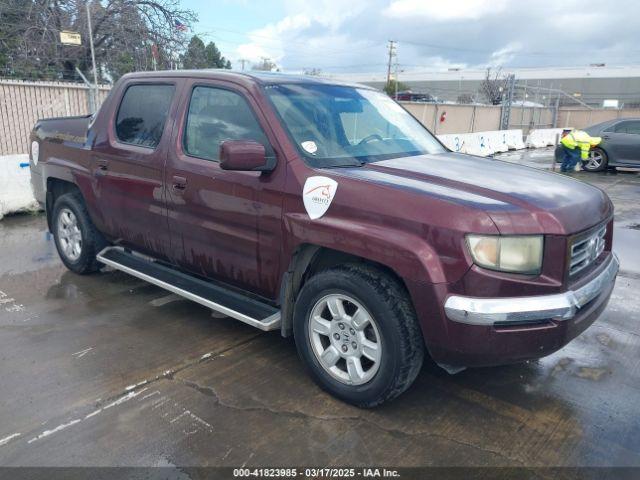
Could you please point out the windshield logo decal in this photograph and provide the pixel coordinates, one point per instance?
(310, 147)
(317, 195)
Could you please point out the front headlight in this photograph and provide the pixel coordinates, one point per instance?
(517, 254)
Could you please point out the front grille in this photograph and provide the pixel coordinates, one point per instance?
(586, 250)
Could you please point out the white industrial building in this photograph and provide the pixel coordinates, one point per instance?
(592, 85)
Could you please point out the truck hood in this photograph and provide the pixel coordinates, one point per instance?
(518, 199)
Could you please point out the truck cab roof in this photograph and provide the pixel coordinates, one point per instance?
(241, 77)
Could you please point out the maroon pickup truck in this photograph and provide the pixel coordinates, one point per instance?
(326, 211)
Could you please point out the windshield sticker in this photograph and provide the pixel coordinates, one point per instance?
(317, 195)
(310, 147)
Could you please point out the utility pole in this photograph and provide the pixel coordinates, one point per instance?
(242, 61)
(396, 94)
(93, 53)
(392, 53)
(93, 58)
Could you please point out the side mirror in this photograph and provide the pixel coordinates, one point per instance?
(244, 155)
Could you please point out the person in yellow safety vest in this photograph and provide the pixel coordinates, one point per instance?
(576, 145)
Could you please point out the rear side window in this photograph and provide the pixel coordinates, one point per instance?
(216, 115)
(628, 127)
(142, 114)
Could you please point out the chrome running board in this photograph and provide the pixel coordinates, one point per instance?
(213, 296)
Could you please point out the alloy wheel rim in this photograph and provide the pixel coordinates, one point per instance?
(69, 235)
(595, 160)
(345, 339)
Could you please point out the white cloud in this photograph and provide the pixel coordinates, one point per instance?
(581, 24)
(309, 27)
(339, 36)
(269, 41)
(444, 10)
(505, 55)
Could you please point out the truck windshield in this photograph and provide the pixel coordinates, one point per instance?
(336, 125)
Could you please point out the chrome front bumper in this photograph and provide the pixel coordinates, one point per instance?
(561, 306)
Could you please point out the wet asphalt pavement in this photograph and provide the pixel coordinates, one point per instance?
(107, 370)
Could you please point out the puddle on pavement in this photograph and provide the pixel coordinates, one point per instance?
(31, 245)
(626, 244)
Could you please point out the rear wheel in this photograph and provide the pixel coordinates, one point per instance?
(77, 239)
(356, 330)
(597, 160)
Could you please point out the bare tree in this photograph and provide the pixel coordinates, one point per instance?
(127, 34)
(493, 86)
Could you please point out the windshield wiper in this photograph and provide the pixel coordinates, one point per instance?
(335, 162)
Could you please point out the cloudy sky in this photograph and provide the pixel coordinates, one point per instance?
(351, 35)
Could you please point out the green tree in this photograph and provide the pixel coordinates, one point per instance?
(215, 58)
(196, 54)
(123, 63)
(12, 27)
(390, 88)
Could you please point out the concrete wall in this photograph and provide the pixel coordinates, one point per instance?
(457, 118)
(581, 118)
(480, 118)
(528, 118)
(15, 185)
(477, 118)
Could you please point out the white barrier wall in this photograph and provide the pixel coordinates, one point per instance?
(484, 143)
(15, 185)
(543, 137)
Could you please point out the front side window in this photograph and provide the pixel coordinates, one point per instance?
(628, 127)
(216, 115)
(337, 125)
(142, 114)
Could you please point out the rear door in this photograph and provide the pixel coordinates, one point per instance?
(128, 161)
(225, 225)
(623, 142)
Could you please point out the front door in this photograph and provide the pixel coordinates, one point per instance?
(224, 224)
(128, 161)
(623, 142)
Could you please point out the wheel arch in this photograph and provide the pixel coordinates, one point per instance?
(56, 187)
(309, 259)
(607, 154)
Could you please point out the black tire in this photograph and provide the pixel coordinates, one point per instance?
(92, 241)
(389, 305)
(589, 167)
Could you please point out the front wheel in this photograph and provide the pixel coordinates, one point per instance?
(597, 160)
(356, 330)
